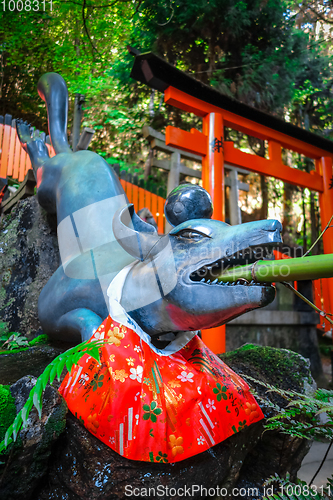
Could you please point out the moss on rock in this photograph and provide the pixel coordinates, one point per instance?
(7, 410)
(41, 339)
(56, 423)
(288, 369)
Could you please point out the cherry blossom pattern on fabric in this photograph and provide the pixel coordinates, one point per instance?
(157, 408)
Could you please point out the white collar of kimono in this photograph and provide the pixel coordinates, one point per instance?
(118, 313)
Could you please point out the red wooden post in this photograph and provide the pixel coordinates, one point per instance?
(5, 146)
(326, 212)
(17, 154)
(160, 218)
(141, 198)
(135, 196)
(11, 150)
(27, 165)
(1, 132)
(154, 205)
(128, 191)
(213, 182)
(214, 163)
(23, 157)
(148, 203)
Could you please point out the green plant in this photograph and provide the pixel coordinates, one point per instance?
(299, 419)
(4, 337)
(7, 410)
(14, 341)
(3, 329)
(303, 407)
(54, 369)
(41, 339)
(299, 490)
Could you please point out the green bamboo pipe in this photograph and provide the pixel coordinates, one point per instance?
(268, 271)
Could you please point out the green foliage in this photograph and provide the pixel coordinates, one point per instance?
(7, 410)
(11, 340)
(3, 329)
(80, 43)
(249, 50)
(14, 340)
(41, 339)
(54, 369)
(300, 417)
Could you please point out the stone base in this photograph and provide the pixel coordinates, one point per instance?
(294, 330)
(28, 257)
(77, 466)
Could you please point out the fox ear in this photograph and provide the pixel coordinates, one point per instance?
(133, 234)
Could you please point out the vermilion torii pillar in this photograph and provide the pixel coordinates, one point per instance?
(213, 182)
(324, 165)
(210, 145)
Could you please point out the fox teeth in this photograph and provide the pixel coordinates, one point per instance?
(242, 281)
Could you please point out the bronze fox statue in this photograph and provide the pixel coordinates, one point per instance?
(168, 285)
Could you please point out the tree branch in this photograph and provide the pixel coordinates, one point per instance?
(86, 29)
(70, 1)
(95, 6)
(107, 4)
(318, 14)
(322, 463)
(138, 7)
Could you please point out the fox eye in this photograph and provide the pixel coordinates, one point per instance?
(190, 234)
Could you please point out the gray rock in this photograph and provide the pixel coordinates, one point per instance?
(27, 460)
(29, 256)
(32, 361)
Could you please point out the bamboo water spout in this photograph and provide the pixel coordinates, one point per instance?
(268, 271)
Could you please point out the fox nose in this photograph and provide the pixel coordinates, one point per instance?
(273, 225)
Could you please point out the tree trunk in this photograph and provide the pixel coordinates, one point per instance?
(287, 214)
(258, 146)
(314, 224)
(264, 192)
(305, 245)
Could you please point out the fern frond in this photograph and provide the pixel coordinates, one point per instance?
(55, 368)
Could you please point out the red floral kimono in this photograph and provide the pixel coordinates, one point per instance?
(158, 408)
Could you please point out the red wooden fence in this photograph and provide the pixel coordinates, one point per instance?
(15, 163)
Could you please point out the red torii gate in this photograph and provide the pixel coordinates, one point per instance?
(219, 111)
